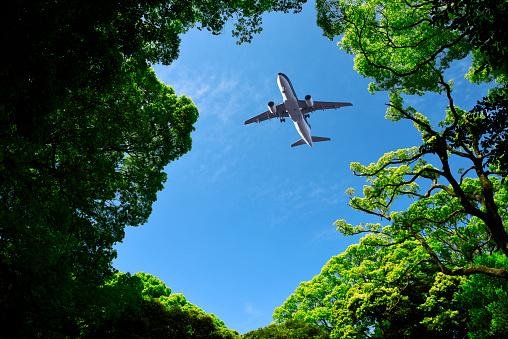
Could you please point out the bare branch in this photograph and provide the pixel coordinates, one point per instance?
(436, 186)
(468, 154)
(423, 124)
(379, 214)
(416, 68)
(464, 174)
(480, 269)
(490, 271)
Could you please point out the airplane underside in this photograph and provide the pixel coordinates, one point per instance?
(297, 110)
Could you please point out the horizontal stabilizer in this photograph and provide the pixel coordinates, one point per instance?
(318, 139)
(314, 139)
(298, 143)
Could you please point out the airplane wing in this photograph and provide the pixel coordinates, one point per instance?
(321, 105)
(281, 113)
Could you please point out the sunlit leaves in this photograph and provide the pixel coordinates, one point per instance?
(348, 229)
(153, 287)
(486, 300)
(406, 52)
(447, 219)
(394, 42)
(394, 112)
(141, 305)
(372, 285)
(395, 174)
(444, 314)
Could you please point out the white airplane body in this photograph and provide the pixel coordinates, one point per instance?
(297, 110)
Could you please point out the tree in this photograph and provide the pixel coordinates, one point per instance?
(489, 118)
(54, 52)
(374, 289)
(141, 305)
(486, 300)
(399, 47)
(291, 329)
(67, 198)
(435, 266)
(394, 284)
(481, 23)
(86, 129)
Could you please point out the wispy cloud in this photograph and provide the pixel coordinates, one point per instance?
(251, 311)
(297, 196)
(328, 233)
(306, 197)
(220, 98)
(218, 95)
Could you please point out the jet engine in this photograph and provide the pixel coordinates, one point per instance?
(272, 108)
(309, 101)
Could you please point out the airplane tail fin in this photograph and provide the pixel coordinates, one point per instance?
(314, 139)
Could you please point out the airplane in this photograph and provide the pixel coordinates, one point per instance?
(298, 110)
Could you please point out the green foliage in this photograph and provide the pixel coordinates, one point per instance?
(444, 313)
(481, 22)
(486, 300)
(154, 320)
(394, 42)
(179, 301)
(437, 268)
(291, 329)
(406, 47)
(153, 287)
(489, 119)
(67, 196)
(86, 130)
(141, 305)
(375, 288)
(386, 288)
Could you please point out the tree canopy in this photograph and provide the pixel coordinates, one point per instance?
(86, 129)
(378, 288)
(291, 329)
(403, 51)
(141, 305)
(435, 263)
(371, 289)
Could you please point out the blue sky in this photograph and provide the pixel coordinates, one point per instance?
(244, 218)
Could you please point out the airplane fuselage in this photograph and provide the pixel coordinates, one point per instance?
(298, 110)
(291, 105)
